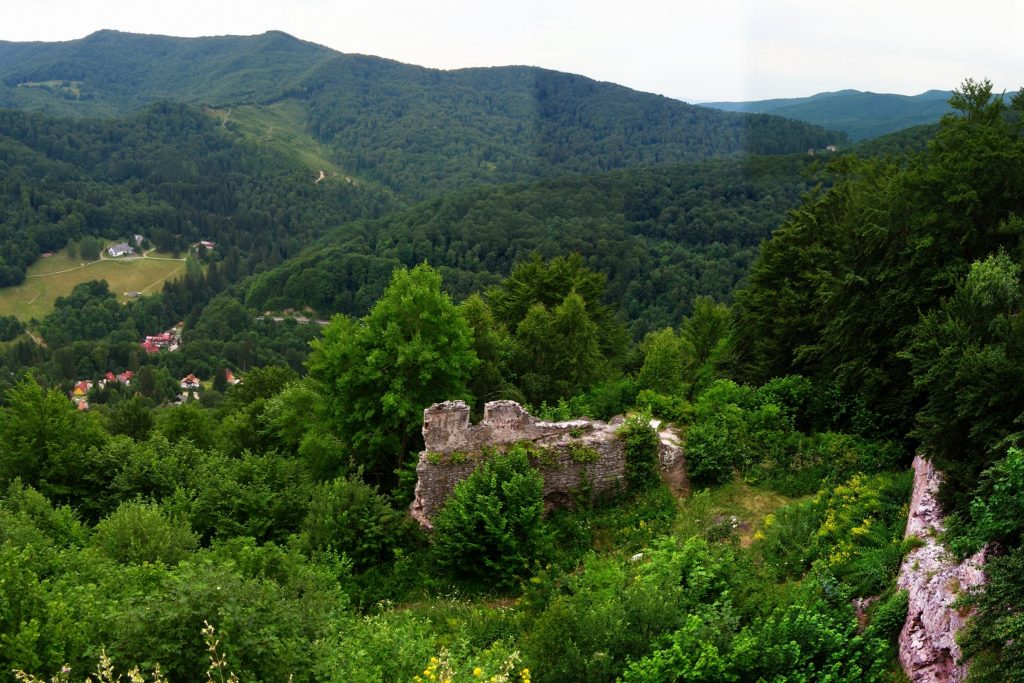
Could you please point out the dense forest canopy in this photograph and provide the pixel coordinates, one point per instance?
(420, 132)
(661, 236)
(168, 173)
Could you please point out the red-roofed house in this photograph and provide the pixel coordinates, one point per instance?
(125, 377)
(189, 381)
(230, 377)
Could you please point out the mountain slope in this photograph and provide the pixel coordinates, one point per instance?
(168, 172)
(419, 131)
(110, 72)
(662, 236)
(860, 114)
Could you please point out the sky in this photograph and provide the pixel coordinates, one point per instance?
(693, 50)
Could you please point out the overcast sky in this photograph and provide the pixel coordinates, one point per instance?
(694, 50)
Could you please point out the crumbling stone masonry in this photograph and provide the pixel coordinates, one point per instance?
(453, 448)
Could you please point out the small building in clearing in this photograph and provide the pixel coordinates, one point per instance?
(120, 249)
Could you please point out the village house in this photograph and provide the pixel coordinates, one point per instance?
(189, 382)
(79, 394)
(170, 340)
(124, 378)
(120, 249)
(230, 377)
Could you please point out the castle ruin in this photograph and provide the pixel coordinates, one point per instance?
(453, 448)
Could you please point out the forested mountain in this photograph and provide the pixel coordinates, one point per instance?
(662, 236)
(109, 72)
(418, 131)
(859, 114)
(385, 121)
(899, 144)
(169, 173)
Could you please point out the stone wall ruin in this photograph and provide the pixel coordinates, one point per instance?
(454, 447)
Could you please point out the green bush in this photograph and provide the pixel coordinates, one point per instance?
(349, 516)
(994, 638)
(491, 527)
(613, 610)
(785, 541)
(641, 443)
(609, 398)
(671, 408)
(712, 448)
(10, 327)
(138, 532)
(888, 616)
(997, 513)
(806, 641)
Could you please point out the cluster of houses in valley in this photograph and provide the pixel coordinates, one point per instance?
(79, 394)
(168, 340)
(190, 385)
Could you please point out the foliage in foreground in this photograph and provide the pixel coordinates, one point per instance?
(491, 527)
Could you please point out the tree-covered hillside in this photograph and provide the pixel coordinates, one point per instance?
(168, 173)
(423, 132)
(662, 237)
(110, 72)
(861, 115)
(420, 132)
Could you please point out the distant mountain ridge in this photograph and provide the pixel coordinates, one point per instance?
(860, 114)
(420, 132)
(120, 72)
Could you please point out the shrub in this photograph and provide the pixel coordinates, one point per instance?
(641, 443)
(997, 514)
(349, 516)
(491, 527)
(610, 398)
(138, 532)
(793, 393)
(994, 638)
(713, 449)
(888, 617)
(785, 541)
(671, 408)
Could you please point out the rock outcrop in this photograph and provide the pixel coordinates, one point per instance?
(581, 457)
(933, 579)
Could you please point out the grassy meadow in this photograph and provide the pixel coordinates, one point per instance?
(54, 276)
(280, 128)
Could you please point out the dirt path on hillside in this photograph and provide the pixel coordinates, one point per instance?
(38, 340)
(66, 270)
